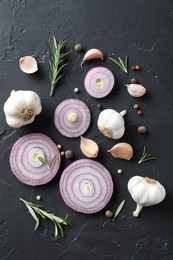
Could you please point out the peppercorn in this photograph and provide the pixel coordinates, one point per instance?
(133, 81)
(59, 146)
(109, 214)
(140, 113)
(137, 67)
(62, 153)
(76, 90)
(136, 106)
(78, 47)
(119, 171)
(38, 197)
(132, 67)
(68, 154)
(142, 129)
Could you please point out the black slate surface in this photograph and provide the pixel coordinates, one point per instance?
(143, 30)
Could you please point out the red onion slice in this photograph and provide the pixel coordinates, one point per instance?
(99, 82)
(23, 166)
(72, 118)
(86, 186)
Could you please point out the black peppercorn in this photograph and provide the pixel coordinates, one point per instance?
(68, 154)
(109, 214)
(142, 129)
(133, 81)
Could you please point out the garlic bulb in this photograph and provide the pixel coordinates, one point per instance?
(92, 54)
(145, 192)
(28, 64)
(122, 151)
(21, 108)
(111, 123)
(136, 90)
(89, 147)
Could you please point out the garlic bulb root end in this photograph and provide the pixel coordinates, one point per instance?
(137, 211)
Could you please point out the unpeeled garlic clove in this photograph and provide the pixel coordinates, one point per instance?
(28, 64)
(122, 151)
(136, 90)
(92, 54)
(88, 147)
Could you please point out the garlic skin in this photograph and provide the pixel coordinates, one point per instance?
(28, 64)
(92, 54)
(88, 147)
(145, 192)
(21, 108)
(136, 90)
(122, 151)
(111, 123)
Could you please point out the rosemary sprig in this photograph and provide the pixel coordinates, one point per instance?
(45, 161)
(146, 157)
(37, 212)
(118, 210)
(121, 64)
(56, 63)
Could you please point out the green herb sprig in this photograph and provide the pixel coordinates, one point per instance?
(37, 212)
(45, 161)
(121, 64)
(56, 64)
(118, 210)
(146, 157)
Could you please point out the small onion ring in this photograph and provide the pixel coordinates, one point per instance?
(99, 82)
(23, 170)
(80, 125)
(86, 186)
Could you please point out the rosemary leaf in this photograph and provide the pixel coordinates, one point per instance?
(118, 210)
(44, 161)
(37, 210)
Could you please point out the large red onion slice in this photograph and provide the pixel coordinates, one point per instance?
(72, 117)
(86, 186)
(99, 82)
(23, 165)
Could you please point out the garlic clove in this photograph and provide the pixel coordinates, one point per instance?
(136, 90)
(92, 54)
(122, 151)
(88, 147)
(28, 64)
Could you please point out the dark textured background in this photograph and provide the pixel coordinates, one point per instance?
(144, 31)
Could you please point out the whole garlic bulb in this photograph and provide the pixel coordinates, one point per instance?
(21, 108)
(111, 123)
(145, 192)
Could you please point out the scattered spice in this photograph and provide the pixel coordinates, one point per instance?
(56, 63)
(132, 67)
(38, 197)
(136, 106)
(59, 146)
(119, 171)
(146, 157)
(142, 129)
(134, 81)
(37, 212)
(62, 153)
(121, 64)
(109, 214)
(140, 113)
(78, 47)
(76, 90)
(69, 154)
(118, 210)
(137, 67)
